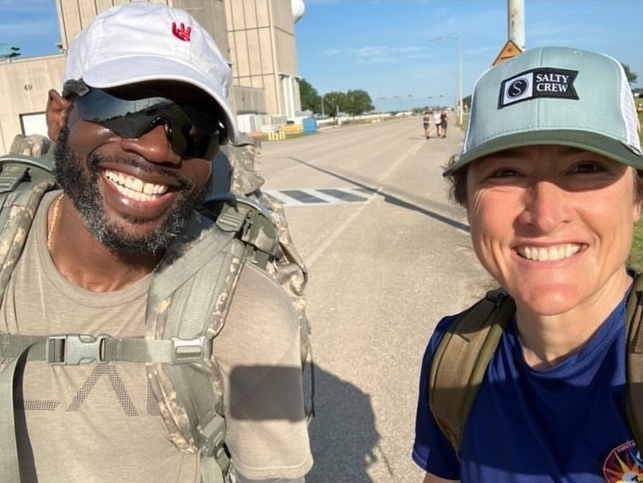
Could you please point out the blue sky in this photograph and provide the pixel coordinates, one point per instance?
(384, 46)
(31, 25)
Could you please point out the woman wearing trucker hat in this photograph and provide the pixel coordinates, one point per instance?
(549, 178)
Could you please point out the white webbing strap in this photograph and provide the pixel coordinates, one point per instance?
(9, 461)
(8, 446)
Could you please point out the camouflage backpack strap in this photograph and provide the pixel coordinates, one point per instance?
(23, 183)
(291, 273)
(188, 303)
(634, 361)
(461, 359)
(279, 256)
(248, 220)
(287, 265)
(243, 161)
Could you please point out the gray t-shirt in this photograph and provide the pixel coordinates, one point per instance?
(96, 423)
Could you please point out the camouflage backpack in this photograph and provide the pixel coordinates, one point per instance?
(187, 303)
(466, 349)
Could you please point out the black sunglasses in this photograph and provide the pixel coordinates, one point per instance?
(192, 132)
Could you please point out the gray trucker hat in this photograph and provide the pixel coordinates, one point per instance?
(554, 95)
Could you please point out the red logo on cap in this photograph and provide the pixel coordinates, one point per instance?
(181, 33)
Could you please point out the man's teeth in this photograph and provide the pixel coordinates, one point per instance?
(540, 254)
(135, 188)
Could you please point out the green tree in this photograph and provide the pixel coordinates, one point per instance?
(358, 102)
(310, 100)
(631, 76)
(466, 101)
(334, 102)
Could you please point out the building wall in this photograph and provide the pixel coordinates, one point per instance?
(24, 85)
(263, 53)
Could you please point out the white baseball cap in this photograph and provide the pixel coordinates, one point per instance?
(554, 95)
(144, 41)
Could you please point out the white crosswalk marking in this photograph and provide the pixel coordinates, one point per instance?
(322, 196)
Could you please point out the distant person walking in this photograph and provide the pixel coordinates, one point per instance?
(437, 118)
(426, 124)
(443, 124)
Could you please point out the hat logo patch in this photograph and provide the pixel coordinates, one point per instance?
(536, 84)
(181, 32)
(518, 87)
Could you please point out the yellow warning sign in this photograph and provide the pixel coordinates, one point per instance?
(508, 51)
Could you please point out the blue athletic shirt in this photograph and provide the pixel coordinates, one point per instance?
(562, 424)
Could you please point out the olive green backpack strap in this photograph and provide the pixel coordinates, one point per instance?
(634, 362)
(188, 303)
(23, 183)
(461, 359)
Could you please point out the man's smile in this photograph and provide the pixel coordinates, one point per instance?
(135, 188)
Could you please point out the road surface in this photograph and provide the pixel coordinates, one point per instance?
(388, 255)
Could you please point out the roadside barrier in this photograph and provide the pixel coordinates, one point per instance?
(292, 128)
(276, 135)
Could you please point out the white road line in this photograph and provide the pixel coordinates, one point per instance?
(327, 199)
(285, 199)
(324, 198)
(369, 195)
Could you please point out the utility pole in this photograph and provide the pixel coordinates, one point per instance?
(516, 22)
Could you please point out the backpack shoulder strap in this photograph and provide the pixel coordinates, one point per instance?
(23, 182)
(188, 303)
(249, 221)
(634, 361)
(461, 359)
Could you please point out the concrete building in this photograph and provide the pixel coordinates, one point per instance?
(257, 38)
(261, 34)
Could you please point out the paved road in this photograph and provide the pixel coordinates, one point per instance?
(388, 255)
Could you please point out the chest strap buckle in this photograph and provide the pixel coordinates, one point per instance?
(74, 349)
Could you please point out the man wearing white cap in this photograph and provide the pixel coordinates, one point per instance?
(549, 175)
(107, 264)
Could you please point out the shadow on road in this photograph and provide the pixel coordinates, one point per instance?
(390, 198)
(343, 435)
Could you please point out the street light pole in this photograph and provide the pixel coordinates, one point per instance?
(458, 101)
(379, 103)
(460, 79)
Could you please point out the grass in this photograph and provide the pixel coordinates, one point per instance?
(636, 253)
(635, 260)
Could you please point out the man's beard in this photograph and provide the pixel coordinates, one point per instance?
(80, 183)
